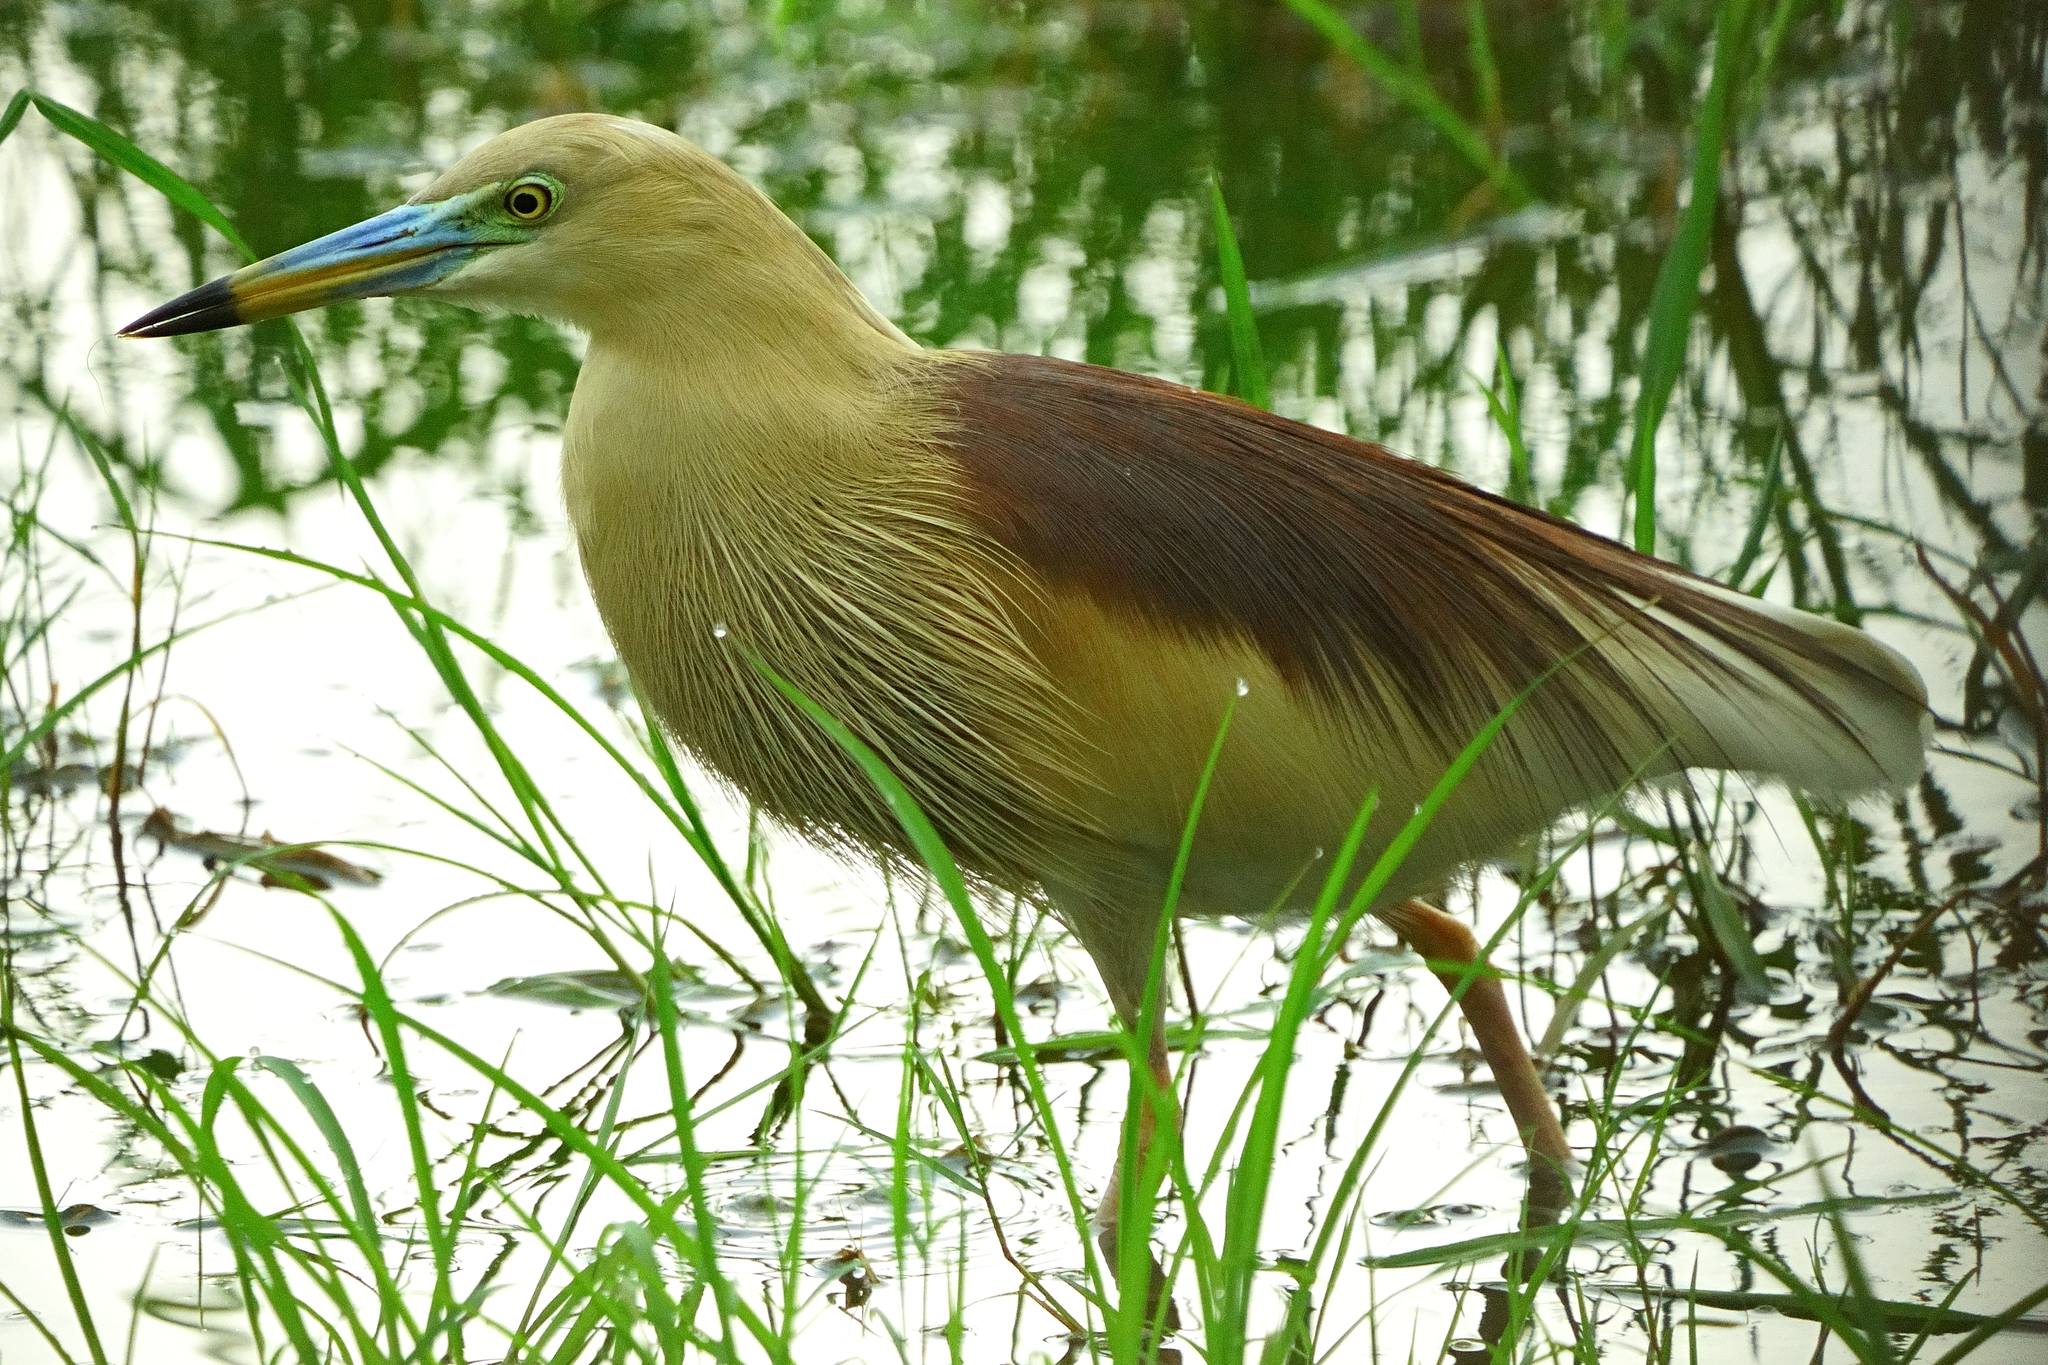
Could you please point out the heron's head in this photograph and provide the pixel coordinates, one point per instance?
(603, 223)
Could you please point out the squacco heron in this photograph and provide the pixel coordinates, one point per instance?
(1032, 586)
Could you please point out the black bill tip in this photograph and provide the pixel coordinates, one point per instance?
(208, 308)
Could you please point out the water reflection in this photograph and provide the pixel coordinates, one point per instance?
(1031, 185)
(1865, 376)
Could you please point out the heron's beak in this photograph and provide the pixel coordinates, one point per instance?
(411, 247)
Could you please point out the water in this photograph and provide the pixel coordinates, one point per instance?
(1866, 367)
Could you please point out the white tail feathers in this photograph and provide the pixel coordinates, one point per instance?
(1798, 697)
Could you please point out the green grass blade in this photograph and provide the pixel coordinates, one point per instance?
(668, 1027)
(119, 151)
(1894, 1315)
(1769, 493)
(1489, 1246)
(2013, 1316)
(11, 116)
(1504, 401)
(938, 861)
(1248, 361)
(1730, 934)
(46, 1195)
(366, 1224)
(1412, 90)
(1677, 290)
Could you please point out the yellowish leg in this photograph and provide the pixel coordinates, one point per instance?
(1149, 1117)
(1116, 940)
(1157, 1110)
(1454, 954)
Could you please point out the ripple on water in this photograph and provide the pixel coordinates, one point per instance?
(845, 1198)
(1428, 1216)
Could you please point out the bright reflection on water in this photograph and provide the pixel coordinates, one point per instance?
(1865, 374)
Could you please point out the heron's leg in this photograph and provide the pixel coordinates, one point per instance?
(1156, 1108)
(1121, 945)
(1454, 956)
(1121, 940)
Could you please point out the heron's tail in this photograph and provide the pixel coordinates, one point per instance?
(1746, 685)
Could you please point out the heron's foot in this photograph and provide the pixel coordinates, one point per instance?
(1162, 1314)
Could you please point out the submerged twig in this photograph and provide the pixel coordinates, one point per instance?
(1859, 998)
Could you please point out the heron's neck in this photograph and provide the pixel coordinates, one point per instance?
(753, 486)
(762, 402)
(762, 310)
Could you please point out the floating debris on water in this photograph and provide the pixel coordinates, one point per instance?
(606, 988)
(279, 862)
(75, 1219)
(854, 1272)
(1738, 1148)
(1429, 1216)
(61, 779)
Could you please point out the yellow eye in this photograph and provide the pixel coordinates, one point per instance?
(530, 200)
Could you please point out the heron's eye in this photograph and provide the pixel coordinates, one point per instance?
(530, 200)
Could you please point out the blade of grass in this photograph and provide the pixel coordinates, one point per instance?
(1252, 1179)
(932, 852)
(1412, 90)
(1248, 362)
(46, 1195)
(1724, 922)
(1134, 1266)
(16, 107)
(1991, 1327)
(1487, 1247)
(1504, 401)
(365, 1224)
(119, 151)
(1677, 290)
(1898, 1315)
(1769, 492)
(1485, 71)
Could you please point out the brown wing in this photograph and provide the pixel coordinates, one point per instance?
(1397, 594)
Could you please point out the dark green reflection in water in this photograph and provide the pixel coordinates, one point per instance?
(1026, 176)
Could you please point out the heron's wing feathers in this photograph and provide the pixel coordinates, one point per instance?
(1407, 603)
